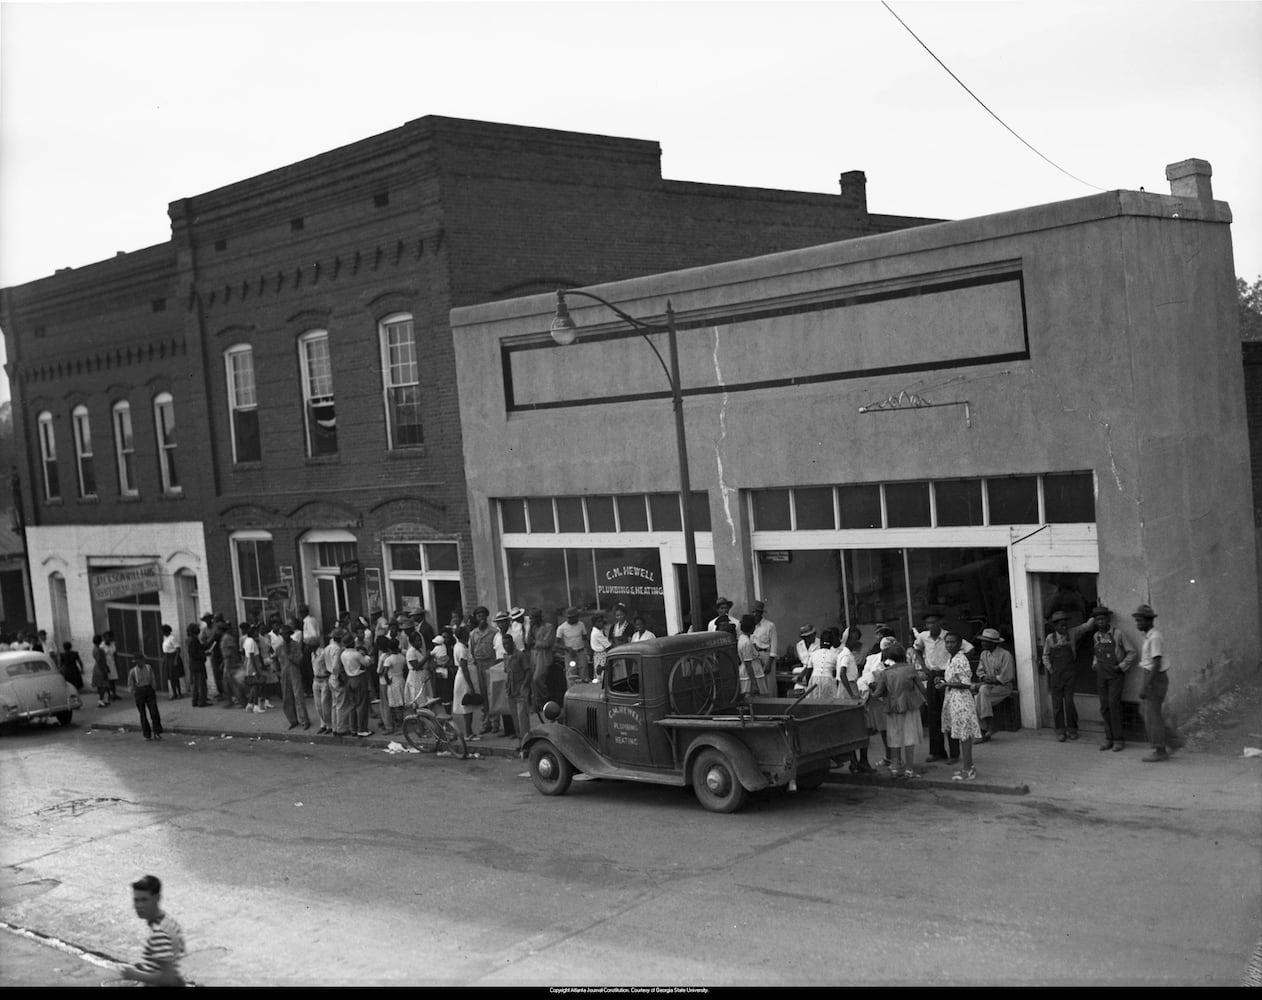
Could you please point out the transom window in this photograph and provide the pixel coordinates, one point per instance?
(164, 427)
(83, 451)
(243, 404)
(596, 514)
(125, 449)
(400, 368)
(317, 393)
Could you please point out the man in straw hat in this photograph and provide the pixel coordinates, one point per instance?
(996, 670)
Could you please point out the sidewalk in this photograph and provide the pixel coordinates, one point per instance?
(1026, 762)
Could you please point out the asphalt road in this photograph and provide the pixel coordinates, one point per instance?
(290, 864)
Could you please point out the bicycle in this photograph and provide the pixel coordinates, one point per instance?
(432, 733)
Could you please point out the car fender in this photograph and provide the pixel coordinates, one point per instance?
(570, 744)
(747, 770)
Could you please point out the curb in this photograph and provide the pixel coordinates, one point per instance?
(927, 781)
(378, 741)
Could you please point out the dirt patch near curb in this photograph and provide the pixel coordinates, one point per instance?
(1228, 724)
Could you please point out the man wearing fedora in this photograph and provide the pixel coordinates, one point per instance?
(996, 670)
(571, 637)
(929, 647)
(808, 642)
(1059, 661)
(723, 606)
(1153, 663)
(1111, 656)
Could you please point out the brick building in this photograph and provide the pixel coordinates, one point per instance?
(262, 411)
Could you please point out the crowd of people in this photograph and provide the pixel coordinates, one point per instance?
(494, 673)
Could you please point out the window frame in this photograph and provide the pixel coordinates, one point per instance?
(236, 405)
(85, 465)
(311, 399)
(164, 402)
(124, 451)
(389, 385)
(47, 433)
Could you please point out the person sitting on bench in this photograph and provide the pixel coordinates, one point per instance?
(996, 671)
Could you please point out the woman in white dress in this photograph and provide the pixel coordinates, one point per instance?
(822, 685)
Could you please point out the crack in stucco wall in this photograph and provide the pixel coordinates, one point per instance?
(724, 491)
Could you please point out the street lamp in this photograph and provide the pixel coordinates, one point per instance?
(565, 332)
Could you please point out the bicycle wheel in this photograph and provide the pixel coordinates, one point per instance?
(453, 740)
(421, 731)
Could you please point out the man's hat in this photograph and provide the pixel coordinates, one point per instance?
(758, 606)
(1059, 616)
(208, 617)
(1101, 610)
(517, 614)
(571, 612)
(806, 630)
(501, 616)
(439, 641)
(990, 635)
(721, 602)
(1144, 611)
(931, 614)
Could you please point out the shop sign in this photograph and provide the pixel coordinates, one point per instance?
(775, 556)
(111, 584)
(349, 568)
(372, 585)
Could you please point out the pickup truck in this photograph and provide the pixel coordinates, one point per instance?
(670, 711)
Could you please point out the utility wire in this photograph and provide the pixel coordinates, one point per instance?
(983, 103)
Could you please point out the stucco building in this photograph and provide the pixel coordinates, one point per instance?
(262, 411)
(994, 418)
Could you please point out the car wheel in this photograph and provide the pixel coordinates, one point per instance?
(715, 783)
(550, 771)
(64, 717)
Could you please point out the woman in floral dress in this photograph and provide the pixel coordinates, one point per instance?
(959, 712)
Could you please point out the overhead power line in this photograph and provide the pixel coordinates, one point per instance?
(983, 103)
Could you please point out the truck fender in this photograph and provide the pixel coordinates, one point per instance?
(747, 770)
(570, 744)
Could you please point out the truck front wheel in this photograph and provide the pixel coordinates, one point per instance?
(715, 783)
(550, 772)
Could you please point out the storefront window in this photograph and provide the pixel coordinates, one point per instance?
(876, 590)
(969, 587)
(588, 579)
(802, 586)
(537, 578)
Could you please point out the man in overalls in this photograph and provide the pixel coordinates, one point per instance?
(1112, 656)
(1059, 655)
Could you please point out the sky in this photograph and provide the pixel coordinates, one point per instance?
(110, 111)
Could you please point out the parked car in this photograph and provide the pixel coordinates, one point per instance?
(32, 688)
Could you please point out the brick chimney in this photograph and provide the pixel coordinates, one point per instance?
(1190, 179)
(854, 190)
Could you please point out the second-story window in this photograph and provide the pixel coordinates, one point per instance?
(125, 448)
(317, 393)
(243, 405)
(164, 427)
(83, 451)
(48, 457)
(401, 375)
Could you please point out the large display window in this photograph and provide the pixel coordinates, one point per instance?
(590, 579)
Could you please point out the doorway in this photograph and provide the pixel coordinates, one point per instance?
(137, 626)
(709, 594)
(1075, 594)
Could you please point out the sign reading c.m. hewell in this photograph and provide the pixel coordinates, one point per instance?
(110, 584)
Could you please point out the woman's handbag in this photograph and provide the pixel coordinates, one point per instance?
(472, 699)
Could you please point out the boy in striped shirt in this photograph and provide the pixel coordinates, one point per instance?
(160, 964)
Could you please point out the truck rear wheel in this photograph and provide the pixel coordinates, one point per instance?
(550, 771)
(715, 783)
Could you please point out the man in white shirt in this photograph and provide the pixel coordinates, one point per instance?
(1152, 662)
(310, 643)
(724, 607)
(765, 642)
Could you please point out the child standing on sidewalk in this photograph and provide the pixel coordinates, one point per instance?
(900, 685)
(517, 682)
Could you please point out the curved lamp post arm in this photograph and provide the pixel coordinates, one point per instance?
(565, 331)
(563, 325)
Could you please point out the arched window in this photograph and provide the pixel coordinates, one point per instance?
(48, 456)
(317, 392)
(243, 405)
(164, 428)
(401, 378)
(83, 451)
(125, 449)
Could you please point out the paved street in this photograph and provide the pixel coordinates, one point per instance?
(292, 862)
